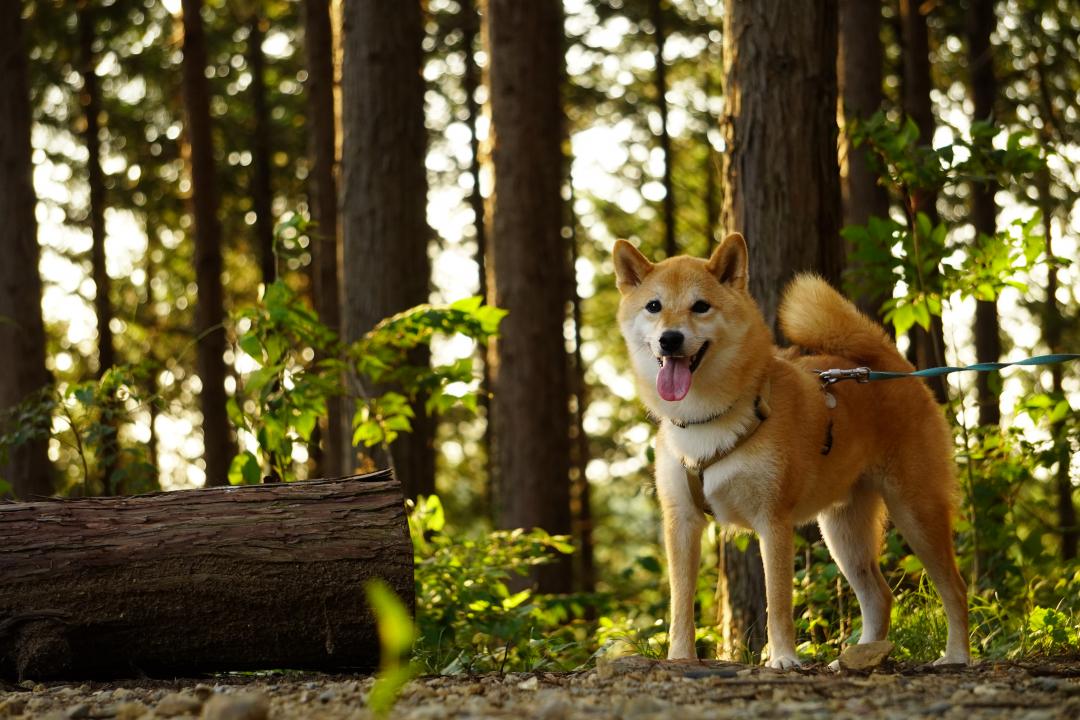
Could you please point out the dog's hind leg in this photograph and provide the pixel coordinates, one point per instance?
(923, 515)
(853, 532)
(683, 524)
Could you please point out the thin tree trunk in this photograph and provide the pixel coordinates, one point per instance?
(927, 347)
(580, 495)
(782, 191)
(860, 78)
(262, 197)
(656, 10)
(209, 312)
(981, 22)
(712, 199)
(22, 332)
(1053, 323)
(90, 99)
(326, 247)
(385, 191)
(470, 28)
(529, 260)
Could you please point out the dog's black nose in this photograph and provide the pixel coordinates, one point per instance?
(671, 341)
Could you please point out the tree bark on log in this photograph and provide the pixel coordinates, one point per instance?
(194, 581)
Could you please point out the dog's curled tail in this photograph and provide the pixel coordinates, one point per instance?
(815, 316)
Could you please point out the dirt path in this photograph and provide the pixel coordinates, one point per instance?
(632, 688)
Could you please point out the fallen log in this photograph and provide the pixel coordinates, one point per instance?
(194, 581)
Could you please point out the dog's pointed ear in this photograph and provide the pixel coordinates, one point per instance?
(729, 261)
(631, 266)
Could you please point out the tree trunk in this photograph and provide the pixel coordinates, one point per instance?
(470, 29)
(384, 199)
(262, 197)
(656, 12)
(981, 22)
(90, 99)
(580, 492)
(319, 44)
(782, 184)
(22, 332)
(1052, 325)
(860, 70)
(167, 584)
(531, 400)
(782, 191)
(927, 347)
(209, 312)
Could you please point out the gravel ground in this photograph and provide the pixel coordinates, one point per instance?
(633, 688)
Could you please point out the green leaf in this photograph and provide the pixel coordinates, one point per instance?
(396, 635)
(244, 470)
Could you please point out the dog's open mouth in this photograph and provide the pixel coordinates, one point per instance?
(676, 373)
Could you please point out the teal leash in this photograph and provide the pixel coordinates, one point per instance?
(865, 374)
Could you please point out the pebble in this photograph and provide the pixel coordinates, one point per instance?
(326, 696)
(175, 704)
(530, 684)
(78, 712)
(865, 657)
(240, 706)
(938, 708)
(14, 705)
(131, 711)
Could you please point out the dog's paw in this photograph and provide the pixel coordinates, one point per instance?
(957, 660)
(784, 662)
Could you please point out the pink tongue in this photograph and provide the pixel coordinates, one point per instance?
(673, 382)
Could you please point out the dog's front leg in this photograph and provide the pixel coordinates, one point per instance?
(778, 555)
(683, 523)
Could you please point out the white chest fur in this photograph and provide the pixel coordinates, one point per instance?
(737, 487)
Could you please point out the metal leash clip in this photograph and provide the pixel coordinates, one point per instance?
(835, 375)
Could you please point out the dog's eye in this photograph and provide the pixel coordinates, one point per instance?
(700, 307)
(653, 306)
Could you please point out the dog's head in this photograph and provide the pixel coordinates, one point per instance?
(686, 321)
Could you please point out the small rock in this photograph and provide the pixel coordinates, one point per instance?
(177, 704)
(78, 712)
(530, 684)
(203, 692)
(12, 706)
(326, 696)
(1049, 684)
(242, 706)
(938, 708)
(131, 711)
(554, 708)
(27, 684)
(121, 693)
(865, 657)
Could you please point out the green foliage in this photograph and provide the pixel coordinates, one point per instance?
(396, 636)
(469, 617)
(919, 254)
(387, 356)
(86, 418)
(281, 401)
(298, 369)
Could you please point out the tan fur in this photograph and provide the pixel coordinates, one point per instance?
(891, 446)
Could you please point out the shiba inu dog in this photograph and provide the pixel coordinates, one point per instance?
(748, 433)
